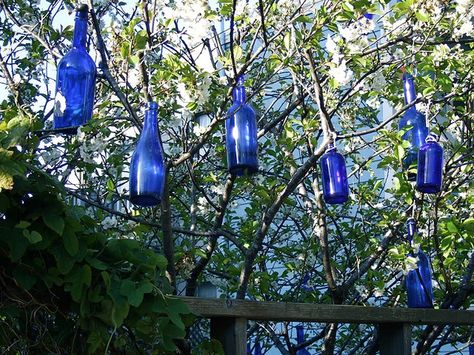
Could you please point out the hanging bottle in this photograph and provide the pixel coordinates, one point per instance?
(241, 134)
(147, 168)
(416, 135)
(334, 176)
(471, 346)
(430, 166)
(418, 281)
(75, 81)
(300, 339)
(258, 349)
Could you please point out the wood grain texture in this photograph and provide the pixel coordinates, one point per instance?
(232, 334)
(395, 339)
(323, 313)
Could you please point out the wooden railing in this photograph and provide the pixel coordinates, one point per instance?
(229, 319)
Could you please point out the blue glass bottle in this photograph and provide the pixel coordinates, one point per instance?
(241, 134)
(418, 281)
(417, 134)
(430, 166)
(471, 347)
(147, 168)
(334, 176)
(258, 349)
(300, 339)
(75, 81)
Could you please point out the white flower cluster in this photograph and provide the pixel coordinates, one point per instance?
(191, 17)
(218, 190)
(355, 34)
(411, 263)
(50, 154)
(339, 71)
(109, 222)
(199, 93)
(362, 291)
(395, 28)
(90, 148)
(248, 9)
(465, 11)
(216, 281)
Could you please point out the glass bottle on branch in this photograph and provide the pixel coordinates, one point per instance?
(241, 134)
(75, 81)
(430, 166)
(147, 168)
(418, 281)
(415, 121)
(300, 339)
(334, 176)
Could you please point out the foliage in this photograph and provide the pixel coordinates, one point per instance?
(311, 67)
(66, 285)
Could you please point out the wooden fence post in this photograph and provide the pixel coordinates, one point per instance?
(395, 339)
(232, 333)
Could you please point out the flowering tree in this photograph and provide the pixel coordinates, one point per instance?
(315, 71)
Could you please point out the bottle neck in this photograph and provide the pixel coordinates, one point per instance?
(409, 89)
(299, 334)
(238, 94)
(150, 125)
(80, 32)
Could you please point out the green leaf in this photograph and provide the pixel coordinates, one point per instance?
(287, 40)
(468, 224)
(422, 16)
(135, 292)
(6, 180)
(54, 222)
(451, 227)
(23, 224)
(79, 277)
(70, 241)
(17, 243)
(24, 277)
(33, 237)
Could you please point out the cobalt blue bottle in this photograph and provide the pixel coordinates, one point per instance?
(75, 81)
(334, 176)
(241, 134)
(418, 281)
(147, 168)
(471, 347)
(258, 349)
(417, 134)
(300, 339)
(430, 166)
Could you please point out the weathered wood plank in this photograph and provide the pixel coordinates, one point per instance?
(394, 339)
(324, 313)
(232, 334)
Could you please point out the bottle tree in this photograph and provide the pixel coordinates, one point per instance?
(313, 70)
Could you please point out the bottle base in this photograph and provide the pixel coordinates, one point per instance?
(428, 188)
(145, 200)
(427, 306)
(243, 170)
(66, 130)
(335, 200)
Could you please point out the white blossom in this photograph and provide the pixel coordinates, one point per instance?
(362, 290)
(378, 82)
(411, 263)
(109, 222)
(219, 190)
(341, 73)
(331, 44)
(466, 28)
(378, 292)
(199, 130)
(59, 104)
